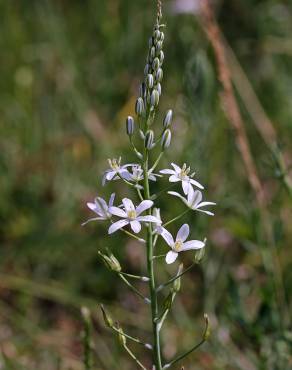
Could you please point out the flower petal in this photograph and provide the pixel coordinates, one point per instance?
(183, 233)
(145, 204)
(117, 225)
(176, 167)
(203, 204)
(128, 204)
(186, 186)
(94, 207)
(203, 211)
(148, 219)
(117, 212)
(167, 172)
(193, 244)
(135, 226)
(101, 203)
(173, 178)
(178, 195)
(196, 183)
(111, 200)
(110, 175)
(171, 257)
(125, 174)
(194, 198)
(167, 237)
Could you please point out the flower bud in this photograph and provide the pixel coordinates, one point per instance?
(146, 69)
(149, 81)
(161, 36)
(149, 139)
(122, 338)
(156, 64)
(208, 329)
(139, 108)
(107, 319)
(158, 88)
(130, 125)
(154, 99)
(152, 53)
(166, 139)
(177, 282)
(157, 35)
(158, 46)
(167, 119)
(110, 261)
(199, 255)
(168, 301)
(159, 75)
(161, 56)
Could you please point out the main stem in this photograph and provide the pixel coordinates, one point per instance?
(150, 268)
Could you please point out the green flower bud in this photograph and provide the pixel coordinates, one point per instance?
(208, 328)
(110, 261)
(158, 46)
(167, 119)
(161, 36)
(177, 282)
(152, 53)
(149, 139)
(166, 139)
(149, 81)
(139, 108)
(156, 64)
(161, 56)
(158, 88)
(159, 75)
(130, 125)
(199, 255)
(157, 35)
(122, 338)
(107, 319)
(154, 99)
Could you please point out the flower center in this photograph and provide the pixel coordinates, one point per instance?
(132, 214)
(183, 175)
(178, 245)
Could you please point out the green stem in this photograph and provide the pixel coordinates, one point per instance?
(150, 268)
(133, 356)
(176, 218)
(141, 278)
(156, 163)
(146, 300)
(174, 278)
(133, 235)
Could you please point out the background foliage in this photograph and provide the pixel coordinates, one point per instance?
(69, 76)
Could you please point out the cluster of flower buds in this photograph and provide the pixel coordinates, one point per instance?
(150, 89)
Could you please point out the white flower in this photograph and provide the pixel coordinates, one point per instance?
(117, 171)
(101, 208)
(137, 174)
(180, 244)
(194, 201)
(183, 175)
(131, 215)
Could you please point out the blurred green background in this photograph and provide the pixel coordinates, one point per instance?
(70, 72)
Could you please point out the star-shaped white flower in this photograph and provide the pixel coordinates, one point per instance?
(131, 215)
(182, 174)
(101, 208)
(179, 244)
(117, 171)
(137, 174)
(194, 201)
